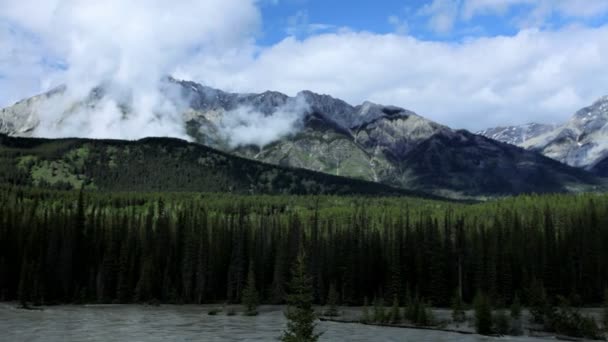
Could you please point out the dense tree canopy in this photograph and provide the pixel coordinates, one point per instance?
(68, 246)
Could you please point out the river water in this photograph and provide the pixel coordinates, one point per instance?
(135, 323)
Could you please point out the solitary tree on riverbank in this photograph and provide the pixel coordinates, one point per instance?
(300, 313)
(483, 314)
(250, 293)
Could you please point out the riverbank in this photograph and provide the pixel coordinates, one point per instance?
(134, 321)
(443, 322)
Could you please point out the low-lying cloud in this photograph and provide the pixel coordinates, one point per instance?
(246, 126)
(127, 47)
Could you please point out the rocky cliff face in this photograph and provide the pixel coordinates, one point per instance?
(517, 135)
(386, 144)
(580, 142)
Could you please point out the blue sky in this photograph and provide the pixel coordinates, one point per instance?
(464, 63)
(303, 18)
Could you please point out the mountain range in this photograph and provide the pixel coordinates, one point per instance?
(371, 142)
(582, 141)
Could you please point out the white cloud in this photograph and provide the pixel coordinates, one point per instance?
(245, 126)
(537, 75)
(400, 25)
(300, 25)
(128, 45)
(538, 11)
(442, 15)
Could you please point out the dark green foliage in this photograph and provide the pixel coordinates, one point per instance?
(380, 315)
(395, 311)
(502, 323)
(458, 313)
(539, 305)
(365, 316)
(67, 247)
(250, 293)
(566, 320)
(300, 313)
(483, 314)
(332, 302)
(516, 308)
(160, 164)
(418, 313)
(605, 311)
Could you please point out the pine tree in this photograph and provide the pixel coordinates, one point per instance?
(538, 302)
(365, 314)
(516, 323)
(502, 325)
(379, 313)
(250, 295)
(300, 314)
(483, 314)
(605, 311)
(395, 311)
(458, 314)
(332, 302)
(516, 308)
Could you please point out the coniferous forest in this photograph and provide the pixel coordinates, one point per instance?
(95, 247)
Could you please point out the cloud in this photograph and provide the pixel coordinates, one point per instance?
(299, 25)
(537, 12)
(472, 84)
(442, 15)
(128, 46)
(400, 25)
(245, 126)
(535, 75)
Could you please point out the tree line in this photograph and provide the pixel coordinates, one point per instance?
(77, 246)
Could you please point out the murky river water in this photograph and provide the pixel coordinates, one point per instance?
(186, 323)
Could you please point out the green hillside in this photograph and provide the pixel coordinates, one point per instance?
(160, 164)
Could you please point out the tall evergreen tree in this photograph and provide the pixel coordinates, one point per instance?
(332, 302)
(250, 295)
(483, 314)
(300, 314)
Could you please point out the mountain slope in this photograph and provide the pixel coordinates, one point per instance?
(385, 144)
(580, 142)
(160, 164)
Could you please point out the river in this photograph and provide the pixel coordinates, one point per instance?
(135, 323)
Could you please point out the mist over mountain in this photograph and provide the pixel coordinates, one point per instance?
(373, 142)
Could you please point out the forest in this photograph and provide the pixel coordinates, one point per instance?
(94, 247)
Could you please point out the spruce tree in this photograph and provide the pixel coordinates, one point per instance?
(395, 311)
(483, 314)
(365, 314)
(502, 325)
(516, 323)
(332, 302)
(516, 308)
(300, 313)
(458, 314)
(379, 314)
(250, 295)
(605, 311)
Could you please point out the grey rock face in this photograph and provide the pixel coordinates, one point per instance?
(516, 135)
(385, 144)
(580, 142)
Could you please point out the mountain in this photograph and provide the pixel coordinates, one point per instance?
(372, 142)
(517, 135)
(581, 142)
(161, 164)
